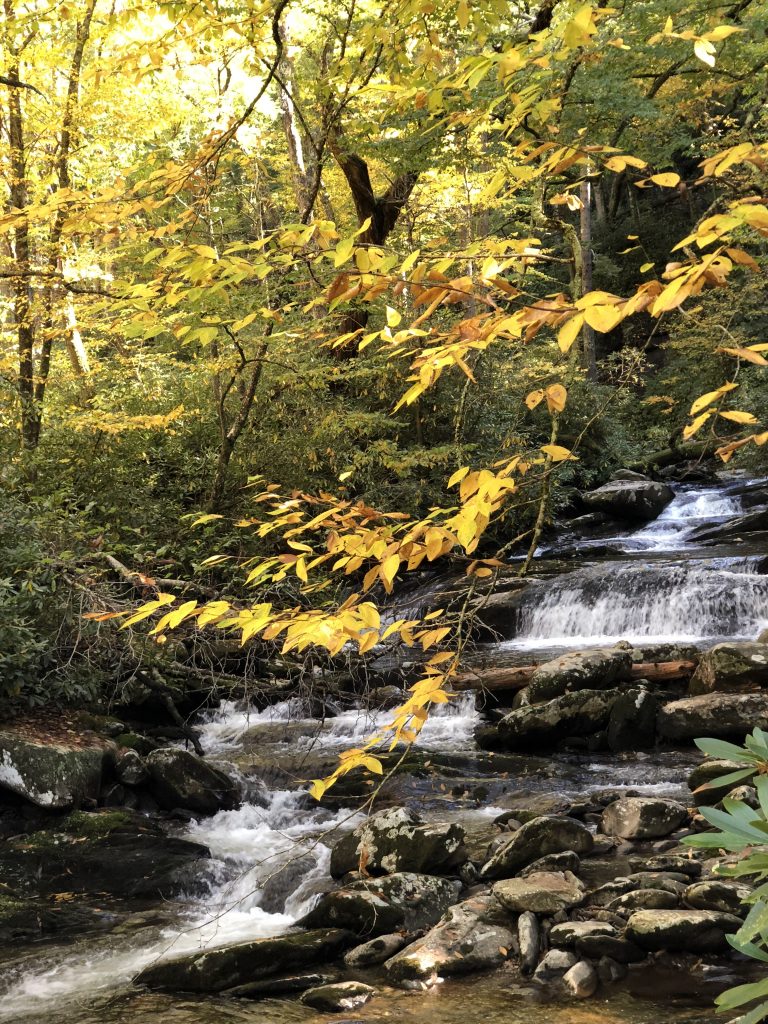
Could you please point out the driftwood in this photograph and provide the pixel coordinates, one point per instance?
(518, 677)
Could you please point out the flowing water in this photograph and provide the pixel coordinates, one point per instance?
(269, 862)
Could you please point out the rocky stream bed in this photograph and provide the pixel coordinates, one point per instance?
(523, 863)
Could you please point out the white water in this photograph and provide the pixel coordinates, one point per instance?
(658, 600)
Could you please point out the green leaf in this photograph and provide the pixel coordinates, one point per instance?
(722, 749)
(742, 994)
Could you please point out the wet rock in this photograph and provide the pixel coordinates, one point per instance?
(725, 897)
(593, 669)
(526, 808)
(637, 500)
(581, 981)
(375, 906)
(733, 529)
(535, 839)
(215, 970)
(632, 722)
(643, 899)
(545, 725)
(375, 951)
(565, 861)
(343, 995)
(474, 935)
(731, 667)
(118, 795)
(669, 881)
(282, 985)
(544, 893)
(609, 971)
(720, 715)
(700, 779)
(529, 941)
(694, 931)
(115, 852)
(179, 778)
(56, 775)
(606, 894)
(618, 949)
(130, 769)
(672, 862)
(568, 934)
(643, 818)
(398, 840)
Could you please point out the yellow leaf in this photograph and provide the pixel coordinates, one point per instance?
(721, 32)
(646, 266)
(533, 399)
(739, 417)
(710, 397)
(458, 476)
(462, 13)
(557, 453)
(667, 180)
(705, 51)
(569, 332)
(434, 542)
(388, 570)
(748, 354)
(697, 424)
(603, 318)
(668, 27)
(556, 397)
(393, 317)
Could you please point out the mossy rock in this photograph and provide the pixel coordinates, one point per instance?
(52, 773)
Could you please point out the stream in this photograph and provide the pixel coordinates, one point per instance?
(268, 863)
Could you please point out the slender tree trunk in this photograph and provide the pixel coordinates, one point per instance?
(589, 358)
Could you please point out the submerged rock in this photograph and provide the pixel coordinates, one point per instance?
(693, 931)
(642, 818)
(398, 840)
(721, 715)
(342, 995)
(474, 935)
(731, 667)
(535, 839)
(546, 892)
(378, 905)
(594, 669)
(215, 970)
(53, 774)
(179, 778)
(637, 499)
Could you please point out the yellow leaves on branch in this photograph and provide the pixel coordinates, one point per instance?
(732, 415)
(555, 395)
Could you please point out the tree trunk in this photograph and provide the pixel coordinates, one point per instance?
(588, 334)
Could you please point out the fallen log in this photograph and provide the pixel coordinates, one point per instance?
(518, 677)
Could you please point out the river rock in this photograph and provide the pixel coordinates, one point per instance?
(725, 897)
(474, 935)
(546, 892)
(581, 981)
(544, 725)
(375, 906)
(637, 500)
(693, 931)
(537, 838)
(731, 668)
(342, 995)
(179, 778)
(116, 852)
(701, 777)
(616, 948)
(720, 715)
(567, 934)
(637, 817)
(632, 722)
(280, 985)
(593, 669)
(375, 951)
(130, 769)
(57, 775)
(566, 861)
(733, 529)
(215, 970)
(643, 899)
(528, 940)
(397, 839)
(553, 966)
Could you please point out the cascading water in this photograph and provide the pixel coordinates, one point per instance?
(652, 598)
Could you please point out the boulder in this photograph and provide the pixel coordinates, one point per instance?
(546, 892)
(57, 775)
(121, 853)
(581, 981)
(643, 899)
(545, 725)
(566, 861)
(528, 940)
(620, 950)
(396, 840)
(130, 769)
(537, 838)
(569, 933)
(701, 777)
(342, 995)
(593, 669)
(637, 817)
(375, 906)
(553, 966)
(472, 936)
(179, 778)
(280, 985)
(375, 951)
(637, 500)
(733, 529)
(730, 668)
(215, 970)
(720, 715)
(724, 897)
(632, 722)
(691, 931)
